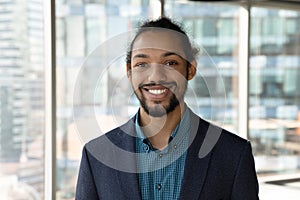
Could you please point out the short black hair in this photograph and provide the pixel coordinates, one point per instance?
(165, 23)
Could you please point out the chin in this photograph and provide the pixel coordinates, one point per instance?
(160, 110)
(156, 110)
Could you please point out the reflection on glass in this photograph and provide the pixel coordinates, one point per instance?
(274, 94)
(275, 89)
(21, 100)
(214, 28)
(81, 27)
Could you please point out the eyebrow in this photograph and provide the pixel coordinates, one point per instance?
(171, 54)
(141, 55)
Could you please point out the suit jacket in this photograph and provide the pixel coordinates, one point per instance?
(219, 165)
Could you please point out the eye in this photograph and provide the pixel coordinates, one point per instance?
(141, 65)
(171, 63)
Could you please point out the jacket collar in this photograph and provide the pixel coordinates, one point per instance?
(195, 166)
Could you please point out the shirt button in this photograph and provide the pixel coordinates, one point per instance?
(175, 146)
(158, 186)
(146, 148)
(160, 155)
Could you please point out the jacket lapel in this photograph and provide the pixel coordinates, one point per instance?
(195, 167)
(128, 179)
(195, 170)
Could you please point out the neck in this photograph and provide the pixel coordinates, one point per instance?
(159, 129)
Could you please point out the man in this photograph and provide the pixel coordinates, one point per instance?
(165, 151)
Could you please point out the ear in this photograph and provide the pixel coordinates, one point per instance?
(192, 70)
(128, 70)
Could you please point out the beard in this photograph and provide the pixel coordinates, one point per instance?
(159, 110)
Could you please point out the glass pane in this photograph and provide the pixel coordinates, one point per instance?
(275, 90)
(83, 26)
(213, 28)
(21, 100)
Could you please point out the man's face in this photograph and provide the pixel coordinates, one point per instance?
(159, 72)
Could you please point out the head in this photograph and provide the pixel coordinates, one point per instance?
(160, 62)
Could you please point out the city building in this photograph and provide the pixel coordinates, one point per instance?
(21, 97)
(247, 82)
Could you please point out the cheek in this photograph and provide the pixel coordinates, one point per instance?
(180, 76)
(136, 80)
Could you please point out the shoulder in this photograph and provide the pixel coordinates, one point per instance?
(225, 135)
(120, 137)
(223, 145)
(229, 138)
(230, 148)
(109, 135)
(218, 139)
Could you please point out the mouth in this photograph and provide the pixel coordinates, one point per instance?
(157, 91)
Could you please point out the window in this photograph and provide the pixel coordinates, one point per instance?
(82, 26)
(216, 34)
(21, 100)
(274, 90)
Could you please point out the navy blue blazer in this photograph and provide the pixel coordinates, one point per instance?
(219, 165)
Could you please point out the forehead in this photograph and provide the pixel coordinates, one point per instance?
(159, 40)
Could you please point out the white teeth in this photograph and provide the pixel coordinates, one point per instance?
(157, 91)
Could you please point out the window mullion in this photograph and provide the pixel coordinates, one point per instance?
(50, 100)
(243, 91)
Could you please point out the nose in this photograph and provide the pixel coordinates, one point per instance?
(157, 73)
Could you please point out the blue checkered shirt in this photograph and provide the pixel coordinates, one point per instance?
(161, 171)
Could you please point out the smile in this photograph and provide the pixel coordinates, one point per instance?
(157, 91)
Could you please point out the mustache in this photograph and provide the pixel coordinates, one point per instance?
(165, 84)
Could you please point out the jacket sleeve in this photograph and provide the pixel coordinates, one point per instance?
(86, 188)
(245, 184)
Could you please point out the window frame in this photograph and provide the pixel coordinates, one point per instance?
(50, 100)
(50, 77)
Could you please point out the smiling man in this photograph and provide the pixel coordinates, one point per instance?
(157, 154)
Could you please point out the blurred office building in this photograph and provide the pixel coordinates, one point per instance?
(88, 91)
(21, 99)
(274, 66)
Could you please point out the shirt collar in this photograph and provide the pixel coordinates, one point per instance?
(182, 128)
